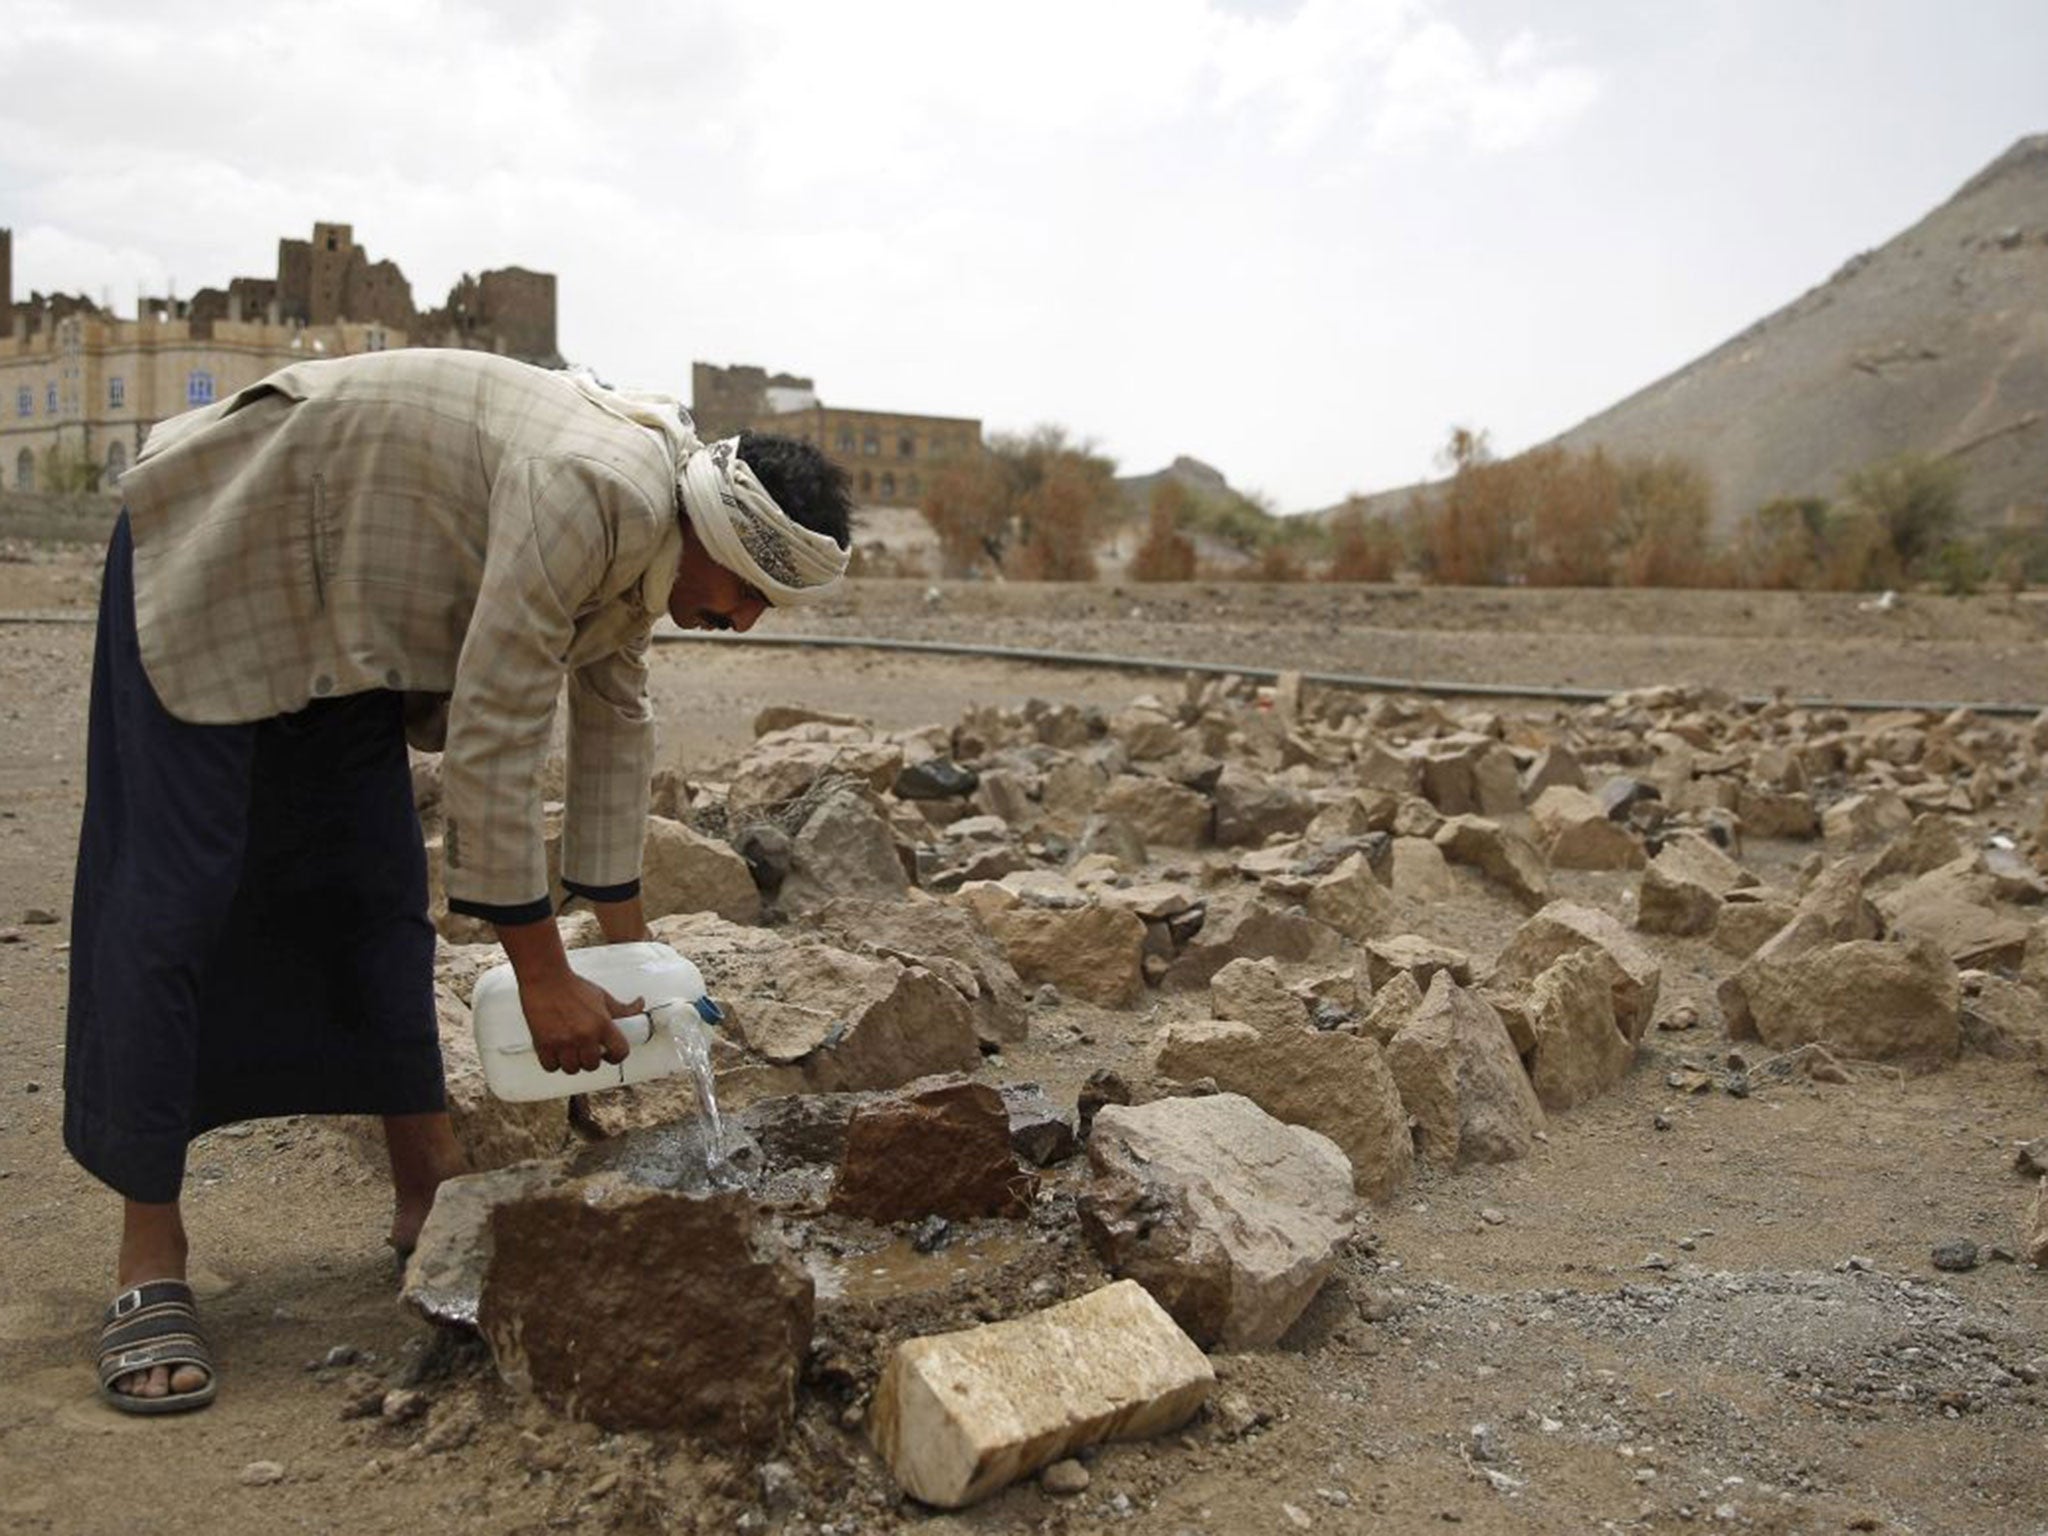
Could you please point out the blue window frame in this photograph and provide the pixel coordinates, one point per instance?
(49, 399)
(117, 393)
(24, 401)
(199, 387)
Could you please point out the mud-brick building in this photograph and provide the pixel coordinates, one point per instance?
(889, 454)
(80, 387)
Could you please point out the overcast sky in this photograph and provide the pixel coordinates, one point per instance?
(1299, 239)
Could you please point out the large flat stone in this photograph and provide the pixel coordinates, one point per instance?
(1229, 1217)
(1330, 1082)
(646, 1309)
(959, 1415)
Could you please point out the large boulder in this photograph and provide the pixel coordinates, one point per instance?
(939, 1148)
(1503, 856)
(1351, 900)
(2003, 1019)
(843, 848)
(1334, 1083)
(1253, 992)
(1240, 927)
(1164, 814)
(946, 939)
(1580, 1052)
(1684, 886)
(1462, 1082)
(643, 1309)
(1869, 999)
(1252, 807)
(1093, 952)
(1574, 832)
(1565, 927)
(1229, 1217)
(684, 871)
(829, 1020)
(783, 764)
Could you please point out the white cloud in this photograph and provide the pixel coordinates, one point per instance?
(1118, 216)
(1437, 82)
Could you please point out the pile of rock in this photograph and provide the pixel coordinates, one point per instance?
(1375, 932)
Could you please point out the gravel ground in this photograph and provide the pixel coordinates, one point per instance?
(1730, 1324)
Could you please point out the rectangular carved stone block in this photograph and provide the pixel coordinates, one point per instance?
(959, 1415)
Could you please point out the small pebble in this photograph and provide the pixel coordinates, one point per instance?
(261, 1474)
(341, 1354)
(1492, 1216)
(1660, 1122)
(402, 1405)
(1064, 1478)
(1654, 1261)
(37, 917)
(1296, 1516)
(601, 1485)
(1684, 1016)
(1956, 1255)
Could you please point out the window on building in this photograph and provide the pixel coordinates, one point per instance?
(117, 393)
(867, 481)
(912, 488)
(906, 447)
(198, 387)
(49, 400)
(24, 471)
(117, 461)
(888, 485)
(24, 401)
(845, 441)
(870, 445)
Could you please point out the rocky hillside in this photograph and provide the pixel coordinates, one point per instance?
(1936, 343)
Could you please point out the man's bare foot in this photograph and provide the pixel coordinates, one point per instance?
(424, 1154)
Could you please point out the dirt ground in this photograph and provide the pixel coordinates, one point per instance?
(1648, 1329)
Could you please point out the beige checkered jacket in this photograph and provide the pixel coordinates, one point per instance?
(437, 522)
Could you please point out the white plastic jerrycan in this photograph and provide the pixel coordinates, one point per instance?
(666, 1039)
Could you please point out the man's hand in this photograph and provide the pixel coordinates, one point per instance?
(570, 1020)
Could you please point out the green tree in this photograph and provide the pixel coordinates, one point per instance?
(1913, 500)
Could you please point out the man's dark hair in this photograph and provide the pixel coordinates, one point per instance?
(805, 484)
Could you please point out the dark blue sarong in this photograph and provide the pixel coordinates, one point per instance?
(249, 930)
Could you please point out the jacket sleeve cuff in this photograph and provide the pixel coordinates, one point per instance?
(507, 917)
(625, 890)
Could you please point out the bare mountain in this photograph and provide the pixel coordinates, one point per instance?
(1934, 343)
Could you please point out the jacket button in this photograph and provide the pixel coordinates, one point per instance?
(323, 685)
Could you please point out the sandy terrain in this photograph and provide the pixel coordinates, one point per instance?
(1756, 1384)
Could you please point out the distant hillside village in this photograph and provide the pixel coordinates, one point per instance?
(80, 387)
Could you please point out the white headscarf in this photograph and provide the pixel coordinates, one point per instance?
(735, 518)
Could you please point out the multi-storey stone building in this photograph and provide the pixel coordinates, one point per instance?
(890, 455)
(79, 388)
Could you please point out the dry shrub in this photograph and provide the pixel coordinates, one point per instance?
(1362, 547)
(966, 504)
(1779, 545)
(1165, 554)
(1059, 517)
(1573, 506)
(1277, 562)
(1028, 506)
(1666, 511)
